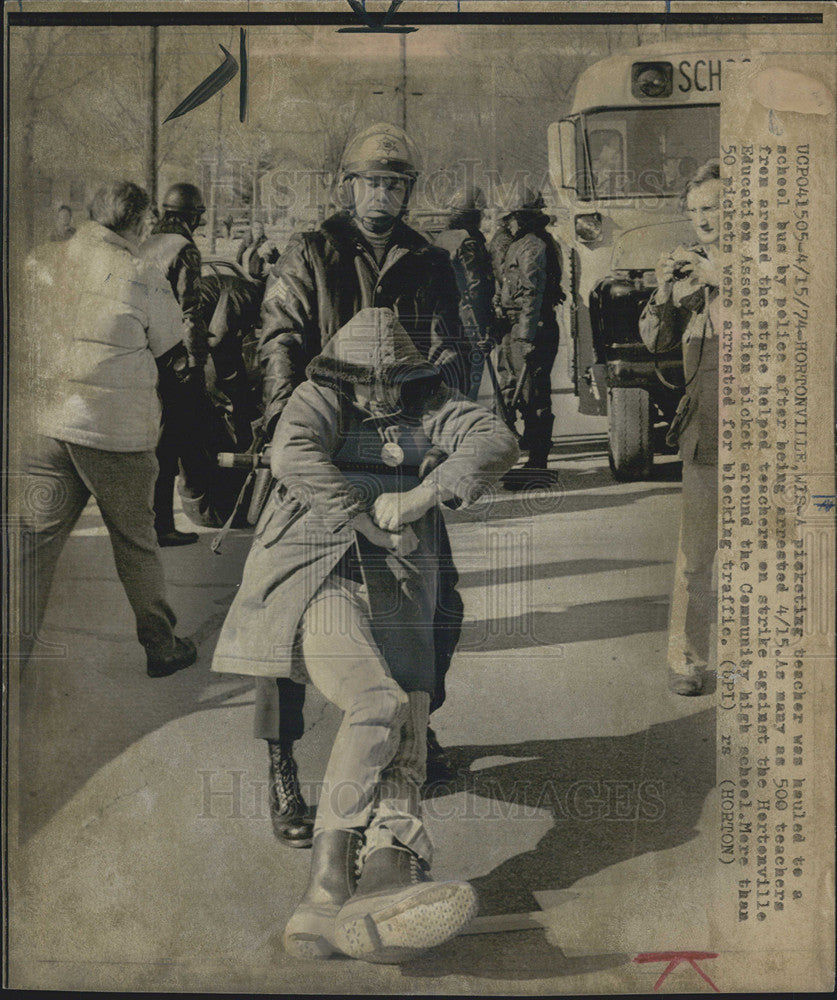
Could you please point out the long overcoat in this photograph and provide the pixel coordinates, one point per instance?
(327, 457)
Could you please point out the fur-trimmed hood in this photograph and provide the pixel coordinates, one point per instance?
(373, 349)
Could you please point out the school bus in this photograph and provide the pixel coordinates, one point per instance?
(641, 123)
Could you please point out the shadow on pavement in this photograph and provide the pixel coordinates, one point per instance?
(579, 623)
(519, 955)
(550, 570)
(612, 799)
(564, 496)
(81, 710)
(77, 717)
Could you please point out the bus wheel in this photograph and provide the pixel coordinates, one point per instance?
(630, 447)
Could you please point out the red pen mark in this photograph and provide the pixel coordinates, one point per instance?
(674, 958)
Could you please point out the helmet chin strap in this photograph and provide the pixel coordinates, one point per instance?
(378, 227)
(381, 227)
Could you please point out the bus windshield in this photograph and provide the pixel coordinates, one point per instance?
(648, 151)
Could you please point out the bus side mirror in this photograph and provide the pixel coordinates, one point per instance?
(562, 157)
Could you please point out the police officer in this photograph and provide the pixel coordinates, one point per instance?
(530, 291)
(362, 256)
(472, 266)
(172, 247)
(498, 247)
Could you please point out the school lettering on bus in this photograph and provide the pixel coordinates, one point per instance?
(702, 75)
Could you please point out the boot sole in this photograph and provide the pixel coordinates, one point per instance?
(303, 945)
(307, 934)
(399, 926)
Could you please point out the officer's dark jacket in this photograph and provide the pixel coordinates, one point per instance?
(531, 286)
(498, 248)
(328, 275)
(172, 248)
(474, 274)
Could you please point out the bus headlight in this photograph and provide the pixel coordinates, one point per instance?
(588, 228)
(652, 79)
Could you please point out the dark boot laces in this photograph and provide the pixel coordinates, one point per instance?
(418, 869)
(284, 780)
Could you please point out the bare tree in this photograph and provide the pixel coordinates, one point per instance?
(119, 123)
(317, 150)
(39, 91)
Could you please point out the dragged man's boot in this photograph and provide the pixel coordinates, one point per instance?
(290, 816)
(398, 911)
(310, 931)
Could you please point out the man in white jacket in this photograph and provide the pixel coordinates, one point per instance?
(100, 316)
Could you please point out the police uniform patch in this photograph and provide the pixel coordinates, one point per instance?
(277, 290)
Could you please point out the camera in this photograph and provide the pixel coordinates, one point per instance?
(683, 268)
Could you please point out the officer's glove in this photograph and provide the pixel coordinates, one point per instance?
(434, 456)
(173, 369)
(198, 356)
(269, 252)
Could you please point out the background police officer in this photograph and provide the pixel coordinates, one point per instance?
(529, 293)
(472, 266)
(172, 247)
(363, 255)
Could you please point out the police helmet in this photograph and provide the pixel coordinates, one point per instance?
(382, 149)
(183, 198)
(524, 199)
(467, 198)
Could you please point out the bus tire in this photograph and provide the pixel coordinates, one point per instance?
(630, 446)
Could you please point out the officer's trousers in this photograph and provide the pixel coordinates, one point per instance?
(185, 437)
(535, 397)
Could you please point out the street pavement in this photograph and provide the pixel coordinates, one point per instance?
(141, 851)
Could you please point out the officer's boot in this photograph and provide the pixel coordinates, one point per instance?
(398, 910)
(289, 814)
(439, 768)
(534, 474)
(310, 931)
(540, 442)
